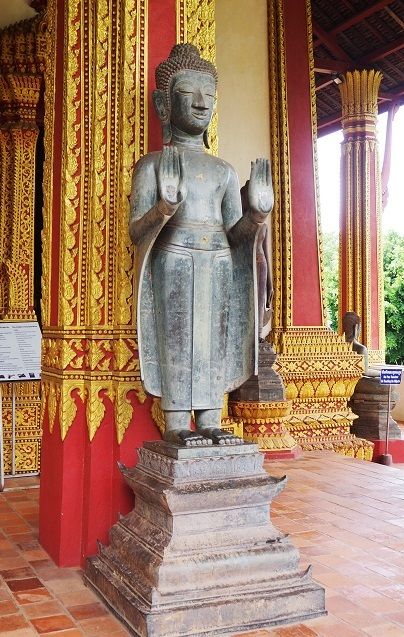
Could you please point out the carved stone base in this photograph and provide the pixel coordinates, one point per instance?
(267, 386)
(198, 555)
(370, 403)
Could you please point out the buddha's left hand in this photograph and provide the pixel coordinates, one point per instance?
(260, 191)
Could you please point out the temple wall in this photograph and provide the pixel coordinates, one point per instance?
(243, 107)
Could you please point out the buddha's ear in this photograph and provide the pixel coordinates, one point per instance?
(161, 106)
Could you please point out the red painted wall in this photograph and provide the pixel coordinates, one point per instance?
(82, 489)
(307, 308)
(162, 37)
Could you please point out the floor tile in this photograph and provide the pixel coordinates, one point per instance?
(87, 611)
(13, 622)
(24, 584)
(8, 607)
(345, 515)
(43, 609)
(52, 623)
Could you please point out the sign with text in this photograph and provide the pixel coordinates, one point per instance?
(20, 351)
(390, 376)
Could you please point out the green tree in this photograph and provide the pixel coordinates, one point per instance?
(393, 261)
(330, 253)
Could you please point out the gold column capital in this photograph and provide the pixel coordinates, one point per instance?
(359, 91)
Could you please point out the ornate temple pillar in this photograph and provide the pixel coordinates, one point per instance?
(18, 263)
(21, 83)
(361, 258)
(98, 122)
(318, 368)
(94, 409)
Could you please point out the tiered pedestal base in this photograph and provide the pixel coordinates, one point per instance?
(320, 371)
(264, 423)
(314, 432)
(370, 402)
(199, 555)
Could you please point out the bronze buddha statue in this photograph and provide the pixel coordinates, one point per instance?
(195, 258)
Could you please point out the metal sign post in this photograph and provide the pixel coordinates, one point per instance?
(388, 376)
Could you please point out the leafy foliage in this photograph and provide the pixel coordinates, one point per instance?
(330, 253)
(393, 260)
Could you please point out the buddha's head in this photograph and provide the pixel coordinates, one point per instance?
(351, 324)
(185, 94)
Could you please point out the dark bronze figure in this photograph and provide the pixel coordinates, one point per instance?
(196, 314)
(351, 324)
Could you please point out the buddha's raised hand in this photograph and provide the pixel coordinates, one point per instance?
(260, 191)
(171, 177)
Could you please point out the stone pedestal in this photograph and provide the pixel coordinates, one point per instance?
(198, 555)
(260, 403)
(370, 403)
(267, 386)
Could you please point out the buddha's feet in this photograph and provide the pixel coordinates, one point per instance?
(186, 438)
(219, 436)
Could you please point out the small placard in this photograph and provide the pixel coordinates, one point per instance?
(390, 376)
(20, 351)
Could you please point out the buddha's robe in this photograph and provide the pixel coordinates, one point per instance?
(196, 285)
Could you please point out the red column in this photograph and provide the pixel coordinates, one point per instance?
(95, 412)
(306, 282)
(361, 274)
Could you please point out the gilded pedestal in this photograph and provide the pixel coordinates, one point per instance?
(198, 555)
(260, 404)
(320, 372)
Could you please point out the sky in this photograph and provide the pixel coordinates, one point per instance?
(329, 176)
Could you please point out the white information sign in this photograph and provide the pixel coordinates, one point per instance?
(20, 351)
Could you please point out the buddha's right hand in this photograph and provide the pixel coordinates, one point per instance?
(171, 178)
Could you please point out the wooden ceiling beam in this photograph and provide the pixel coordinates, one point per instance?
(395, 17)
(330, 42)
(328, 66)
(392, 96)
(361, 15)
(329, 122)
(382, 52)
(322, 85)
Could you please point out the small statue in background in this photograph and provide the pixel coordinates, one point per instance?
(263, 262)
(351, 324)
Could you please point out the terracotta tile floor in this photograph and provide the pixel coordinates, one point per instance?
(346, 517)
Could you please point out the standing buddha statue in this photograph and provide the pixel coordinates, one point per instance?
(195, 258)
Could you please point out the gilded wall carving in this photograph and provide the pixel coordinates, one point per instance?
(282, 214)
(196, 24)
(90, 359)
(22, 57)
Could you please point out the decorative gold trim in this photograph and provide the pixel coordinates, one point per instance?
(281, 215)
(196, 19)
(49, 117)
(313, 110)
(141, 8)
(181, 22)
(91, 357)
(362, 200)
(70, 220)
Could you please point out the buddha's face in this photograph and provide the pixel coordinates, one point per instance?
(192, 95)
